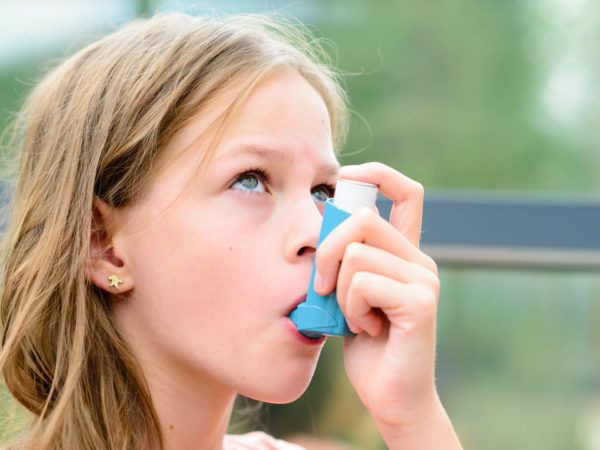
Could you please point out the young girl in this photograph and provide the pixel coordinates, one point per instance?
(164, 226)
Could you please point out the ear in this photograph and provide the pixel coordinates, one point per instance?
(104, 267)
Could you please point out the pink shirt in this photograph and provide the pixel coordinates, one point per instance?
(257, 440)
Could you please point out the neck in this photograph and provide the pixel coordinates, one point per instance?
(192, 414)
(193, 409)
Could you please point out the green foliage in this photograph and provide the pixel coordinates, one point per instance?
(450, 91)
(517, 364)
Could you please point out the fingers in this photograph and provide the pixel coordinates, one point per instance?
(371, 281)
(365, 227)
(407, 195)
(364, 258)
(380, 274)
(397, 301)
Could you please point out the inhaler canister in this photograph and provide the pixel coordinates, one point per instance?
(320, 314)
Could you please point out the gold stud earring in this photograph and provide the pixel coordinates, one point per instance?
(114, 281)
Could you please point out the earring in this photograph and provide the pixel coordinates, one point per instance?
(114, 281)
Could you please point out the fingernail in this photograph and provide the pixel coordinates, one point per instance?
(318, 283)
(353, 327)
(349, 170)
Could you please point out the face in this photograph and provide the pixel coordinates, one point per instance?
(220, 256)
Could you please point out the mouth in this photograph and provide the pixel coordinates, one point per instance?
(294, 305)
(304, 339)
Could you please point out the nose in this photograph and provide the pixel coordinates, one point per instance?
(302, 230)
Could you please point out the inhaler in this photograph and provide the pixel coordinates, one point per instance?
(319, 314)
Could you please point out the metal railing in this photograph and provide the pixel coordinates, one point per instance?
(491, 230)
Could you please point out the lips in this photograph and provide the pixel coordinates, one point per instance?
(295, 304)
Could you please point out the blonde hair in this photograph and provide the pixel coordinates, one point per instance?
(95, 127)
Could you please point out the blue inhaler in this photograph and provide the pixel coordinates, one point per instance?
(319, 314)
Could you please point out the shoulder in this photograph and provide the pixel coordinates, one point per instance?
(257, 440)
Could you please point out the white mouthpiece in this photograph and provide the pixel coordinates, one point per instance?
(352, 195)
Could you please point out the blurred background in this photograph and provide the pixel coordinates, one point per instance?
(462, 95)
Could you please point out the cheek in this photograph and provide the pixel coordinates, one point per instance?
(222, 267)
(200, 271)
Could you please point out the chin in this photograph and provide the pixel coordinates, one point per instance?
(278, 396)
(279, 387)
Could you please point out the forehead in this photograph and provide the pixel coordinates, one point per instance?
(282, 112)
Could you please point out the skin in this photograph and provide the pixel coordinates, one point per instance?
(213, 261)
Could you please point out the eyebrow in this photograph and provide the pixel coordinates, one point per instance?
(272, 154)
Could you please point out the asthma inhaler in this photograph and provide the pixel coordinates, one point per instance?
(319, 314)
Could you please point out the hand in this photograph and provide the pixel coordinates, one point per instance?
(388, 291)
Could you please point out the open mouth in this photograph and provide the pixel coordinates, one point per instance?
(295, 305)
(309, 340)
(306, 339)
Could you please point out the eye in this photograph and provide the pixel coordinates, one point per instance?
(251, 181)
(322, 192)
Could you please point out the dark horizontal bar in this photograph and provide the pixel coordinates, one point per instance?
(518, 231)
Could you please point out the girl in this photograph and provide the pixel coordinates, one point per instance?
(164, 226)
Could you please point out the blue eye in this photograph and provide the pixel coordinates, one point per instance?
(249, 181)
(322, 193)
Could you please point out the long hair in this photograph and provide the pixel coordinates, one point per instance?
(95, 127)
